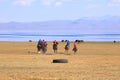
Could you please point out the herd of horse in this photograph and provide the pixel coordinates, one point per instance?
(42, 46)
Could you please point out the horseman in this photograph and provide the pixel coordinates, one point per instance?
(55, 43)
(67, 46)
(39, 46)
(75, 47)
(45, 47)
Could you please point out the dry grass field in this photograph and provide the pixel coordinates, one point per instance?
(93, 61)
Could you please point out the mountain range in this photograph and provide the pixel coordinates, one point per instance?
(109, 24)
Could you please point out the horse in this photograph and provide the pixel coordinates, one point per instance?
(44, 47)
(39, 47)
(67, 48)
(74, 49)
(55, 47)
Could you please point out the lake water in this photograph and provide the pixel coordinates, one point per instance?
(22, 36)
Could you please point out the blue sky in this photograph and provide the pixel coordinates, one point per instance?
(44, 10)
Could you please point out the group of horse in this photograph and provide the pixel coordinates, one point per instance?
(42, 45)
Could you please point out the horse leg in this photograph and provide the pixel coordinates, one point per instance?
(38, 50)
(43, 49)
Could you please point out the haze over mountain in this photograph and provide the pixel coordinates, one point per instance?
(108, 24)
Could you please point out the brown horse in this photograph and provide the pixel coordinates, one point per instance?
(39, 47)
(74, 49)
(55, 44)
(67, 48)
(44, 47)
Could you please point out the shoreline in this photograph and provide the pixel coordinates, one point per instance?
(52, 41)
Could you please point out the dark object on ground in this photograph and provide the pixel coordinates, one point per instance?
(62, 40)
(114, 41)
(60, 61)
(30, 40)
(66, 40)
(79, 41)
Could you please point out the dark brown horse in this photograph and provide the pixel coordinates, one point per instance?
(75, 49)
(67, 47)
(55, 47)
(44, 47)
(39, 47)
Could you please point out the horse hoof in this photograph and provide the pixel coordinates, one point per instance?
(60, 61)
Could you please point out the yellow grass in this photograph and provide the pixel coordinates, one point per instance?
(93, 61)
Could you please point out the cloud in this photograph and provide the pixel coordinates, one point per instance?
(47, 2)
(44, 2)
(114, 3)
(54, 2)
(23, 2)
(58, 3)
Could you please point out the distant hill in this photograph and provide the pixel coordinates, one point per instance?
(84, 25)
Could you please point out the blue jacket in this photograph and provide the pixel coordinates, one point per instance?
(68, 43)
(39, 42)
